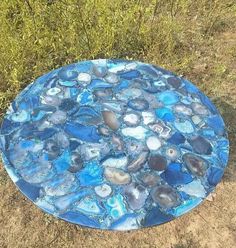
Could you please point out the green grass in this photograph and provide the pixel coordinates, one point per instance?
(38, 36)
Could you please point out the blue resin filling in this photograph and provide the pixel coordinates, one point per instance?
(114, 144)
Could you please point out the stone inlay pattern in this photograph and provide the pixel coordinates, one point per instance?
(114, 144)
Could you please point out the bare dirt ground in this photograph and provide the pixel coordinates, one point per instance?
(212, 224)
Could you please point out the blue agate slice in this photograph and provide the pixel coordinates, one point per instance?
(114, 144)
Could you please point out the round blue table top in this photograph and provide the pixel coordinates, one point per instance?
(114, 144)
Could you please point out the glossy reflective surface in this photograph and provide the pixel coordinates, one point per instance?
(114, 144)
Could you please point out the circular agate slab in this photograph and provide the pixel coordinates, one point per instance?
(114, 144)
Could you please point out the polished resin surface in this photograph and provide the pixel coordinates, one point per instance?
(114, 144)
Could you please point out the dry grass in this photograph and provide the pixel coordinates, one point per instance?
(38, 36)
